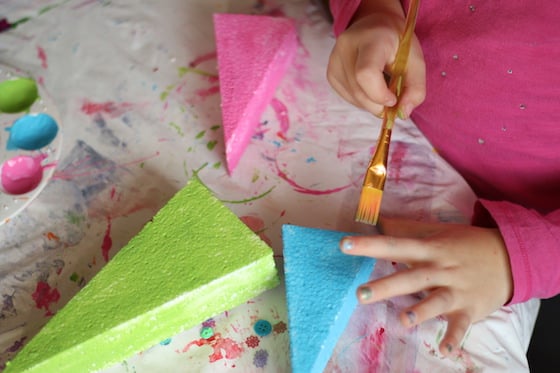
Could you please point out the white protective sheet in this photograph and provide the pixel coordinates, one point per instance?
(136, 88)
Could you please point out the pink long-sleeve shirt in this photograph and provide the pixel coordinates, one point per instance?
(492, 110)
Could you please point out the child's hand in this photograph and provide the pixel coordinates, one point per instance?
(363, 53)
(463, 270)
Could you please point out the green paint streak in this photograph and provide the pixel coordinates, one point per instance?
(200, 134)
(177, 128)
(74, 277)
(217, 165)
(255, 176)
(20, 21)
(39, 13)
(163, 96)
(184, 70)
(248, 199)
(211, 144)
(214, 128)
(142, 164)
(47, 8)
(74, 218)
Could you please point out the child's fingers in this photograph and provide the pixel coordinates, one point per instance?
(414, 90)
(369, 67)
(398, 249)
(403, 282)
(438, 302)
(457, 326)
(343, 81)
(408, 228)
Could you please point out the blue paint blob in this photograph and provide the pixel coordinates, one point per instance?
(32, 132)
(165, 342)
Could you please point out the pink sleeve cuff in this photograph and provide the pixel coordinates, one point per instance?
(342, 11)
(532, 241)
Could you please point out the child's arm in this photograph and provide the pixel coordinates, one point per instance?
(366, 49)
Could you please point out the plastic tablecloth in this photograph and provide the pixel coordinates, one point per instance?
(136, 87)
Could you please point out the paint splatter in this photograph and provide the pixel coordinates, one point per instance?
(4, 25)
(372, 348)
(107, 241)
(206, 92)
(113, 109)
(16, 345)
(44, 296)
(42, 55)
(301, 189)
(281, 112)
(256, 224)
(223, 348)
(51, 236)
(203, 58)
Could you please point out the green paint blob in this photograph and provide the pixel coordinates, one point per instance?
(17, 95)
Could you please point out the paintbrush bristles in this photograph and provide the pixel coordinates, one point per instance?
(369, 206)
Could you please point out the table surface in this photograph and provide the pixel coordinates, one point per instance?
(135, 84)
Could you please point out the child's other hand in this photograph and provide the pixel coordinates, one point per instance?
(463, 270)
(363, 53)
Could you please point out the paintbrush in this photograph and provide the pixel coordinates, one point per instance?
(376, 173)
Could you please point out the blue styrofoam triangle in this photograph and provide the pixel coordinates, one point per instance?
(321, 287)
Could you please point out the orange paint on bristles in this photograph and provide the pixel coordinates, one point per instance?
(369, 206)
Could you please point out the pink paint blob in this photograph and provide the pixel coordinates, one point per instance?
(22, 174)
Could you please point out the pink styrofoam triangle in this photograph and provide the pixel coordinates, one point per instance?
(321, 285)
(254, 53)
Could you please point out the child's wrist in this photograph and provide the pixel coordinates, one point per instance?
(369, 7)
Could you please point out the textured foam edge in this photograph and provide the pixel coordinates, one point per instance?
(342, 318)
(340, 322)
(219, 291)
(241, 138)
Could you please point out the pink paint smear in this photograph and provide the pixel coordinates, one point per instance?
(222, 347)
(301, 189)
(113, 109)
(42, 56)
(44, 296)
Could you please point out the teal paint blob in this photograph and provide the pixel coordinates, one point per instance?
(32, 132)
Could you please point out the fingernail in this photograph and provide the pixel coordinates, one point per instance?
(390, 101)
(347, 244)
(365, 293)
(405, 111)
(411, 316)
